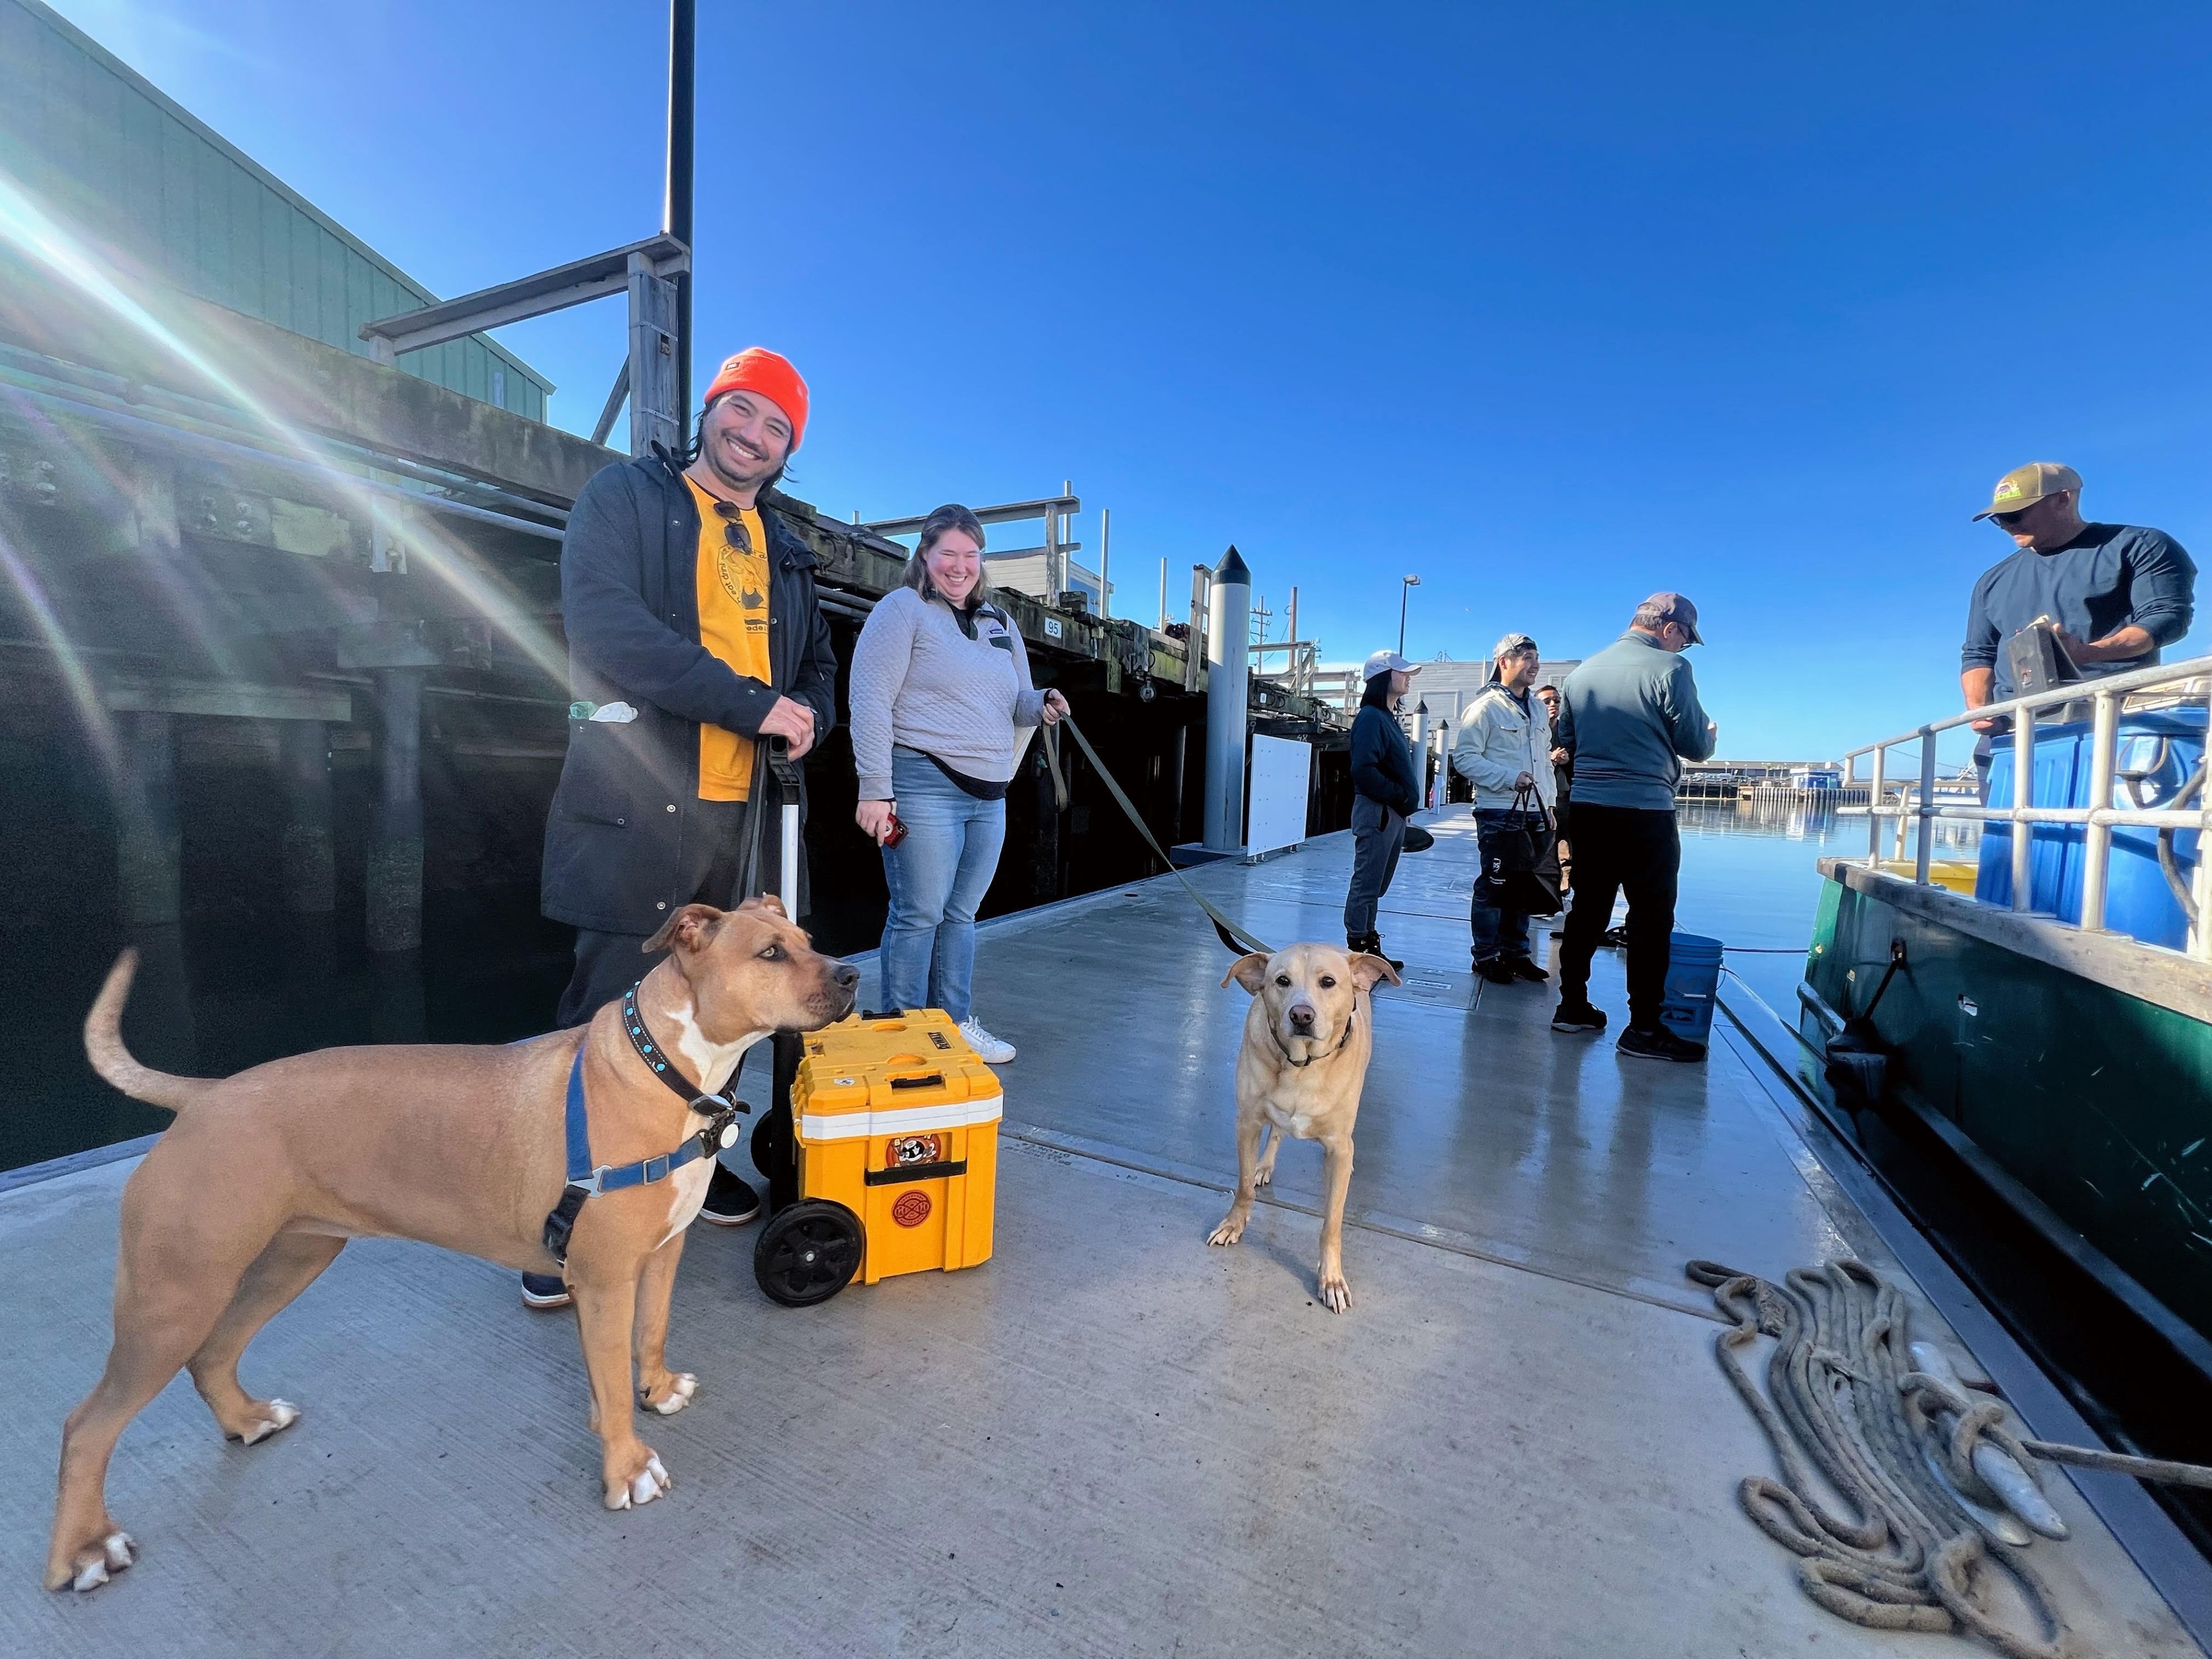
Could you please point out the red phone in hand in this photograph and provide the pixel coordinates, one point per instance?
(897, 834)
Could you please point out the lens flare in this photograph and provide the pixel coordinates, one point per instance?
(430, 550)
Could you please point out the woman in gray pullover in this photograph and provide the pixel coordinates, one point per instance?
(941, 692)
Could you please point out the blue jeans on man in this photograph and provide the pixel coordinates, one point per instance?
(1500, 935)
(938, 877)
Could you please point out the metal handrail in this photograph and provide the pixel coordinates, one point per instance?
(1918, 801)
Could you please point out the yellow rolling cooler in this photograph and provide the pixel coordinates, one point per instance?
(894, 1134)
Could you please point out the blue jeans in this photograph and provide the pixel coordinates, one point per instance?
(1498, 933)
(936, 876)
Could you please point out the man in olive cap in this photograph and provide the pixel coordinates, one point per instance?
(2117, 592)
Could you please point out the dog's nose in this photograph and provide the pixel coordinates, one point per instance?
(845, 977)
(1301, 1016)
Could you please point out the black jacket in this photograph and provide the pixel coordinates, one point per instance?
(1383, 761)
(629, 600)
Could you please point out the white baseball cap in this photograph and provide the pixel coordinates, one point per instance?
(1387, 662)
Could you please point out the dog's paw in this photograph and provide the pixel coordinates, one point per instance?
(1335, 1294)
(1264, 1175)
(648, 1483)
(263, 1419)
(97, 1563)
(1228, 1232)
(672, 1396)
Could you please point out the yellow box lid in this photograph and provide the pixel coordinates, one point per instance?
(909, 1060)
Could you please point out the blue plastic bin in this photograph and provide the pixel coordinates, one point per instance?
(1693, 980)
(2158, 753)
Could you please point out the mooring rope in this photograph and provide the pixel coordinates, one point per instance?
(1844, 1397)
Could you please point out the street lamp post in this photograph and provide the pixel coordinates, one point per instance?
(1405, 588)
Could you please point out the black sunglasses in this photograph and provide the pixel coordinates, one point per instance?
(733, 527)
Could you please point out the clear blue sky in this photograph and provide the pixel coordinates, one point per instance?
(1553, 306)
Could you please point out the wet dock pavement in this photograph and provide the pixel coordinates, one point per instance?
(1110, 1440)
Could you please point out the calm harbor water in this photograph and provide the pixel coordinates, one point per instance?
(1750, 879)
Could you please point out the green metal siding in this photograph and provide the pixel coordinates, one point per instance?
(101, 147)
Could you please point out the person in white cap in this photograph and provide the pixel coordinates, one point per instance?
(1387, 792)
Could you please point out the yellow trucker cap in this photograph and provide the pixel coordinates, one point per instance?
(2024, 486)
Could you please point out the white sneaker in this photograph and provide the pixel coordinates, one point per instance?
(992, 1051)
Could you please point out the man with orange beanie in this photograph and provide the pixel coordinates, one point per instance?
(694, 633)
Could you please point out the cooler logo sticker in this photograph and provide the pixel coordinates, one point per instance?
(911, 1210)
(912, 1149)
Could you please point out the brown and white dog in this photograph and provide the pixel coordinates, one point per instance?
(1308, 1037)
(265, 1176)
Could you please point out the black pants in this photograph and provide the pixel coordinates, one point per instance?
(607, 965)
(1630, 849)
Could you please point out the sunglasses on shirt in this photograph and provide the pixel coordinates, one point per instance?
(733, 527)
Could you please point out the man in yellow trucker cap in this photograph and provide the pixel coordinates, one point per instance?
(2117, 592)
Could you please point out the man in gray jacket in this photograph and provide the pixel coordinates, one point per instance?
(1504, 750)
(1631, 715)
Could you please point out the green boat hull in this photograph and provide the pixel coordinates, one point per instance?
(2098, 1102)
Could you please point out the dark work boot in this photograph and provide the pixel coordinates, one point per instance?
(1370, 944)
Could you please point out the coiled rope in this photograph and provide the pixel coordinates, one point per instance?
(1844, 1397)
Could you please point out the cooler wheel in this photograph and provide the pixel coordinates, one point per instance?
(807, 1252)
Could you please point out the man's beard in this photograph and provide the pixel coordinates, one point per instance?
(716, 465)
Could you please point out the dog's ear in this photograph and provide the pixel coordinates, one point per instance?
(1250, 971)
(766, 902)
(687, 931)
(1367, 969)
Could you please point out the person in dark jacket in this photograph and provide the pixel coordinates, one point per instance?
(694, 635)
(1386, 793)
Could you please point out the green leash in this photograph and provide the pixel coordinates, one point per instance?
(1232, 935)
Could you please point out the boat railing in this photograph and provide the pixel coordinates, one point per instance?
(1922, 804)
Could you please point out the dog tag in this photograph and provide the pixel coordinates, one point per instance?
(729, 1137)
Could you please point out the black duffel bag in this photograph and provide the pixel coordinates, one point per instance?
(1521, 865)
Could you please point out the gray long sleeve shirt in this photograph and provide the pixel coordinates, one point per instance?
(920, 683)
(1631, 717)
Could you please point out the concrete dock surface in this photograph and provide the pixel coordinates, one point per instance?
(1110, 1440)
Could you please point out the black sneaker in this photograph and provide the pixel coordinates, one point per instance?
(1495, 970)
(1523, 968)
(1579, 1017)
(1659, 1044)
(1372, 944)
(545, 1291)
(730, 1201)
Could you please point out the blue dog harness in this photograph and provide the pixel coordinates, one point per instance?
(719, 1110)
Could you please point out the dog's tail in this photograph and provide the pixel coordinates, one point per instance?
(103, 1046)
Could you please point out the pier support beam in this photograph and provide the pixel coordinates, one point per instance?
(395, 838)
(148, 840)
(310, 863)
(1228, 701)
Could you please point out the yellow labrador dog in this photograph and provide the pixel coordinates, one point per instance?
(1307, 1040)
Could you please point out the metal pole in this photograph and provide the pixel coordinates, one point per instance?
(2097, 840)
(2023, 797)
(1874, 809)
(2200, 937)
(676, 216)
(1194, 657)
(1404, 589)
(1105, 565)
(1296, 688)
(1164, 596)
(1926, 851)
(1227, 655)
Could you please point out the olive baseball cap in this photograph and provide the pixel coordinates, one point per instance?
(2024, 486)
